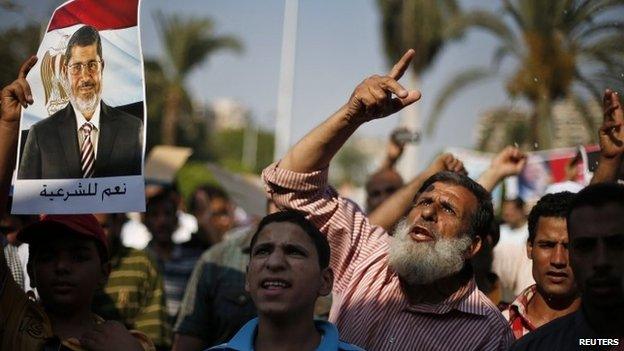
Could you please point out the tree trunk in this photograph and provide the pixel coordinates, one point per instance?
(408, 165)
(542, 124)
(170, 117)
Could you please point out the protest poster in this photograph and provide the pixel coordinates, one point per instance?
(548, 171)
(81, 146)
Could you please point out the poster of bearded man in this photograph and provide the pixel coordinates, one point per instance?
(81, 147)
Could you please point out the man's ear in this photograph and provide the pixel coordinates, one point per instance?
(474, 247)
(247, 278)
(327, 281)
(529, 249)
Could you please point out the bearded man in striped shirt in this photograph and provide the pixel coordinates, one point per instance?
(411, 291)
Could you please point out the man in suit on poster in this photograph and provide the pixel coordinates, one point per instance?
(87, 138)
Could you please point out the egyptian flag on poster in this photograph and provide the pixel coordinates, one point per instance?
(117, 24)
(59, 171)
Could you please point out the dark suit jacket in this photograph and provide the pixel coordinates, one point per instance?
(52, 151)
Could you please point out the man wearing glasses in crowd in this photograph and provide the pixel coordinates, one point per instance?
(77, 141)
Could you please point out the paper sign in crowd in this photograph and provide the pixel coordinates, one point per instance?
(81, 146)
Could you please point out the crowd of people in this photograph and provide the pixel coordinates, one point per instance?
(426, 266)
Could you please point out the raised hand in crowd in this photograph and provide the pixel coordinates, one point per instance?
(390, 212)
(13, 97)
(17, 94)
(611, 138)
(394, 149)
(510, 161)
(371, 99)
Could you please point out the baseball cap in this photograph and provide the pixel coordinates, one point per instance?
(82, 224)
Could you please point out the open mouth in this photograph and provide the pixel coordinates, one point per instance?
(275, 284)
(420, 233)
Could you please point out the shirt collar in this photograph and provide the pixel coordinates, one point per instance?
(95, 119)
(519, 305)
(466, 299)
(244, 338)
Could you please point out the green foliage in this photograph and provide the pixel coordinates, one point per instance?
(188, 41)
(351, 165)
(557, 45)
(417, 24)
(228, 149)
(192, 175)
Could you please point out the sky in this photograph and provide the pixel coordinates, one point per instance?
(338, 45)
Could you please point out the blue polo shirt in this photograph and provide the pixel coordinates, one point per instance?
(244, 339)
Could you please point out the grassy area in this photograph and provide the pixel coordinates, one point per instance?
(192, 175)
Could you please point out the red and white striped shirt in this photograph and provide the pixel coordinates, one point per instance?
(369, 307)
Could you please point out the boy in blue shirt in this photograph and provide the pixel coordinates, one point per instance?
(288, 270)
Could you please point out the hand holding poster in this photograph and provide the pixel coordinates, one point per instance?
(82, 141)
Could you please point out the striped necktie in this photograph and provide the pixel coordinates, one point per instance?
(87, 153)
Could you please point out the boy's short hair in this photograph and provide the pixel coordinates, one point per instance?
(290, 216)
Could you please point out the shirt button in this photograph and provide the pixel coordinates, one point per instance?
(391, 340)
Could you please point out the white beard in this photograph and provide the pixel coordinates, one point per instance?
(85, 106)
(420, 263)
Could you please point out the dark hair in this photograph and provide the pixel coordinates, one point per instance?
(165, 196)
(550, 205)
(84, 36)
(517, 201)
(596, 195)
(211, 191)
(483, 216)
(290, 216)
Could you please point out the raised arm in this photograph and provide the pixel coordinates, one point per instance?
(510, 161)
(390, 212)
(611, 137)
(14, 96)
(370, 100)
(394, 149)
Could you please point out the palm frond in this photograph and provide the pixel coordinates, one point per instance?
(586, 83)
(601, 29)
(483, 20)
(189, 40)
(591, 9)
(458, 83)
(515, 15)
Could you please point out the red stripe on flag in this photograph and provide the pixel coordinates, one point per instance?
(101, 14)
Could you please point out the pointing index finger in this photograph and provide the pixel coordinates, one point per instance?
(26, 66)
(400, 67)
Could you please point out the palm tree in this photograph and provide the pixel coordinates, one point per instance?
(417, 24)
(187, 43)
(557, 46)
